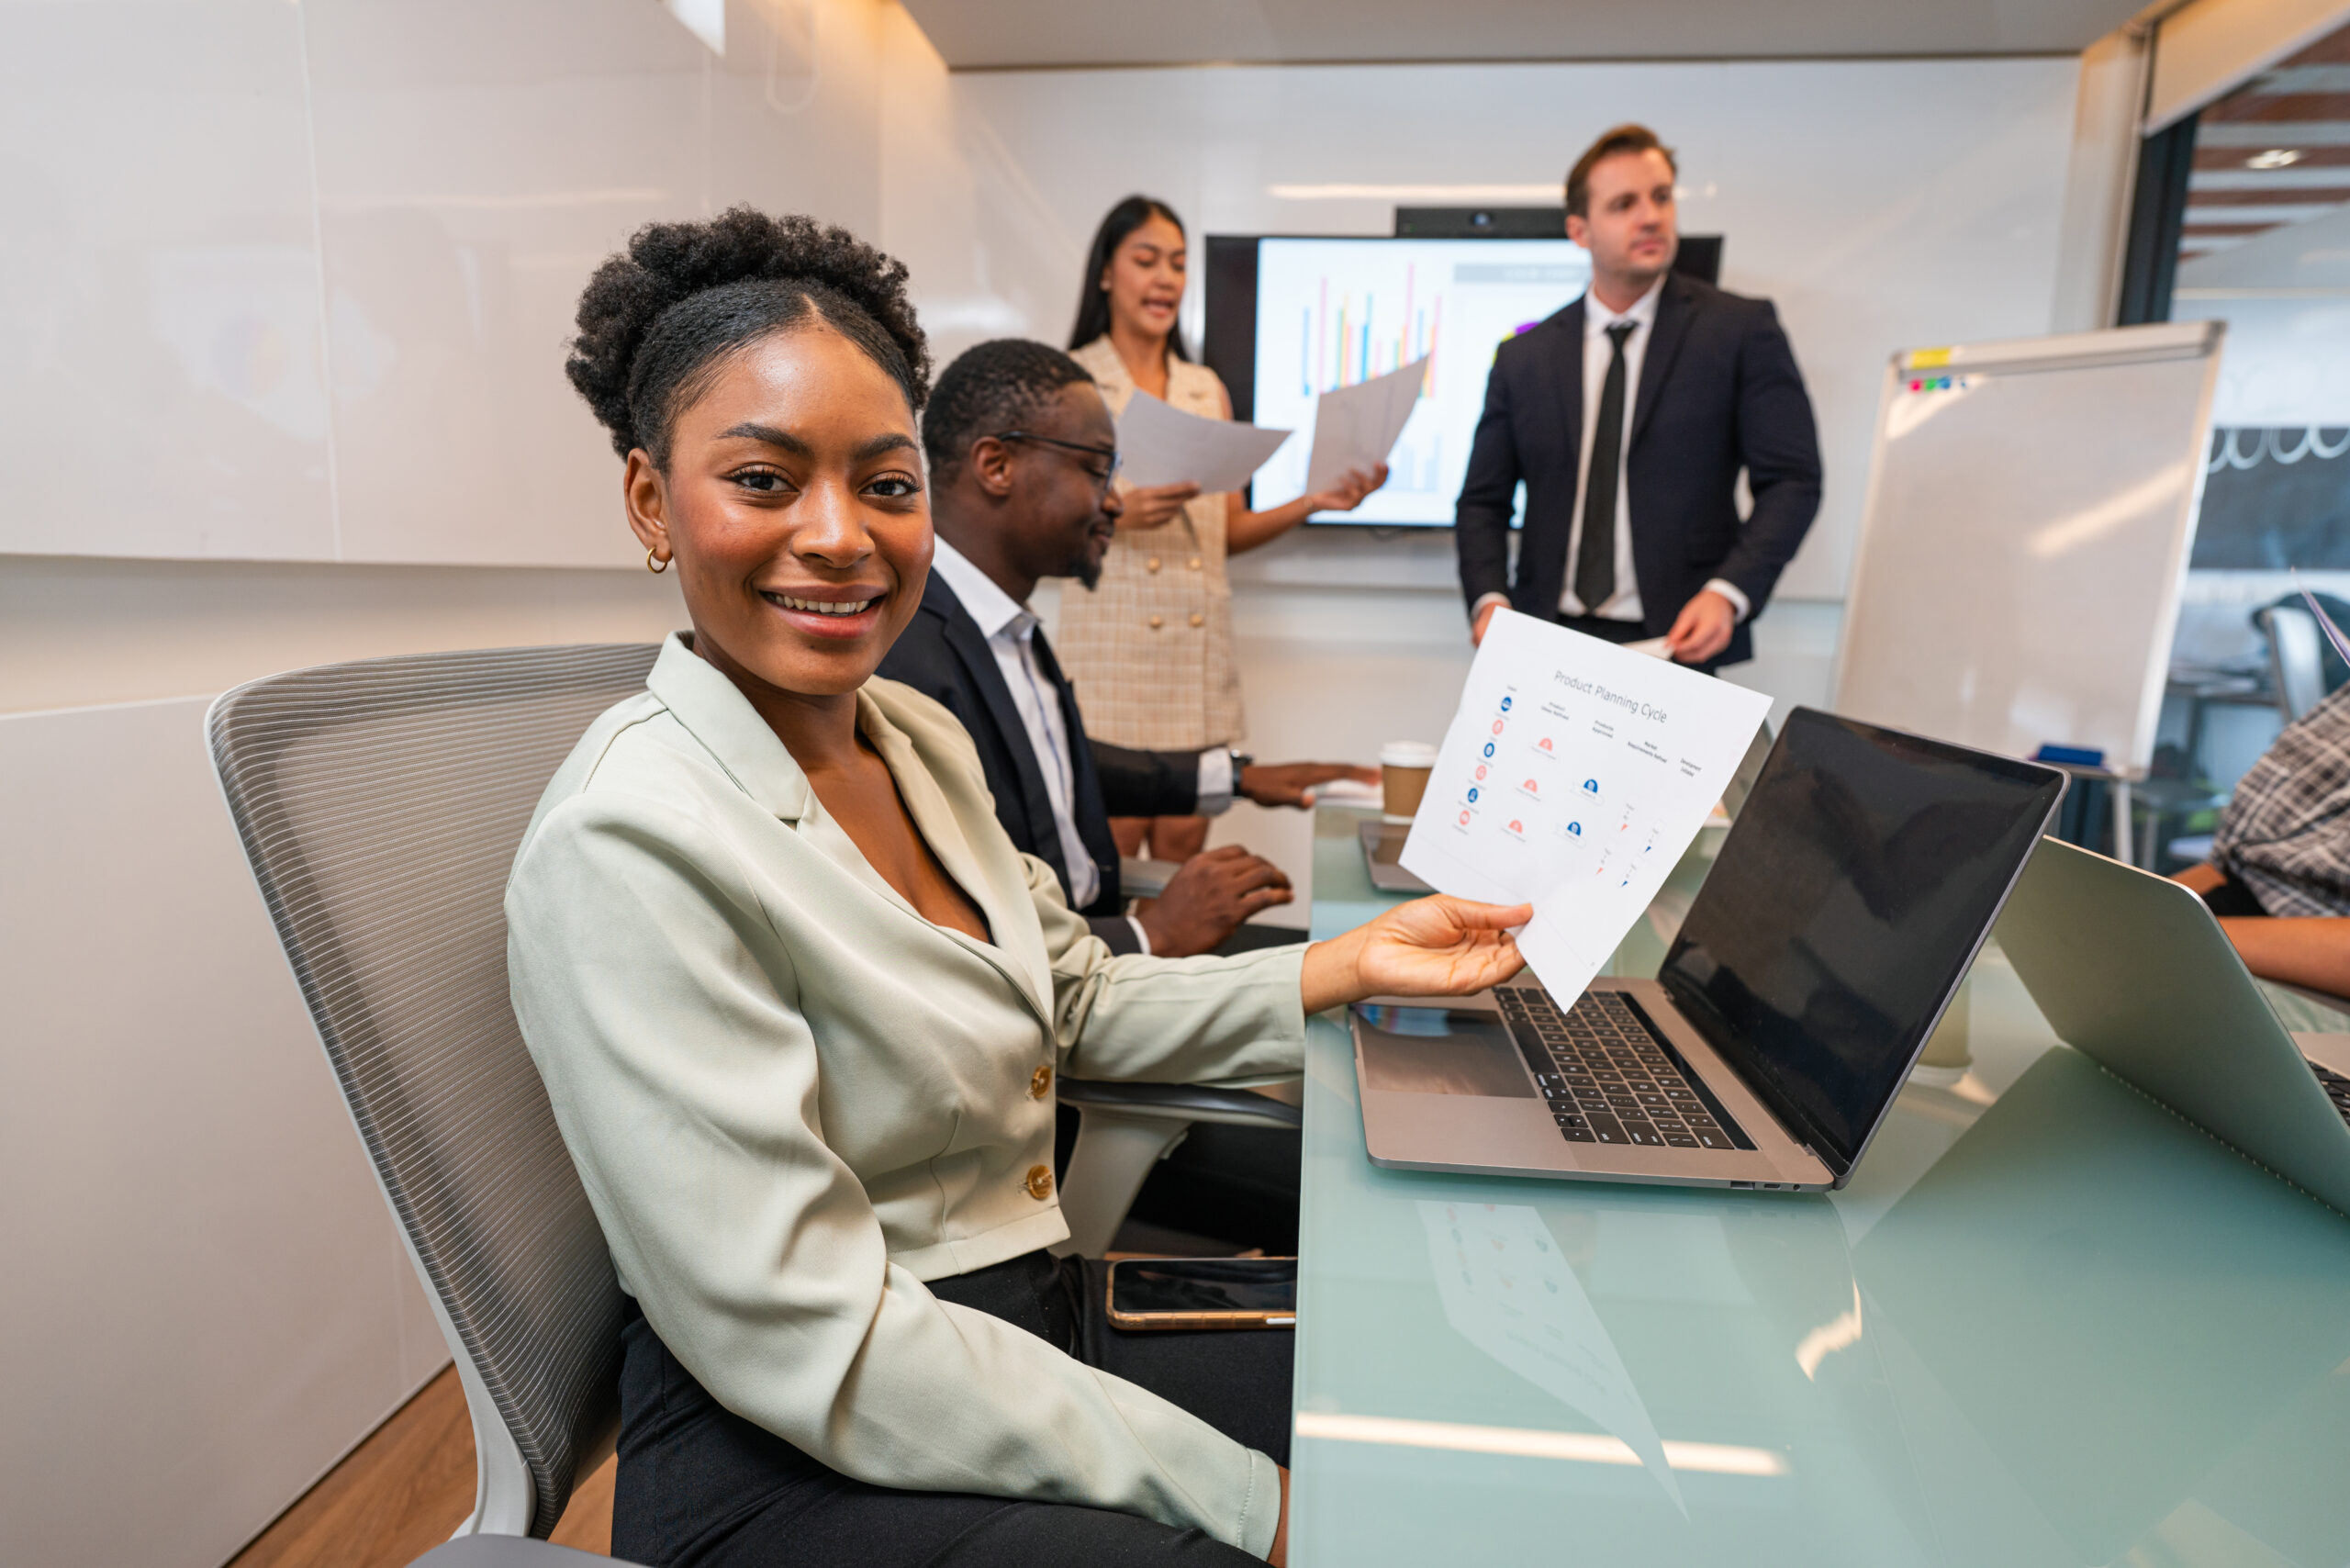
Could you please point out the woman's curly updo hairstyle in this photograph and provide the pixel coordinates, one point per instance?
(660, 319)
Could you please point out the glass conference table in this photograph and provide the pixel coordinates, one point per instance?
(2047, 1323)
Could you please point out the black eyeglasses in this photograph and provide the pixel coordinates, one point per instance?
(1117, 459)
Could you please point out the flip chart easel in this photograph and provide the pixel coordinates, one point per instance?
(2024, 540)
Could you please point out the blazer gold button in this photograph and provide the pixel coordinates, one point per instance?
(1192, 563)
(1156, 622)
(1198, 619)
(1040, 1182)
(1040, 1082)
(1151, 564)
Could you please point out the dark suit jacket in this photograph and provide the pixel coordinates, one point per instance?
(1719, 392)
(944, 656)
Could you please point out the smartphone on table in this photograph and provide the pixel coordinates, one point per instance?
(1204, 1292)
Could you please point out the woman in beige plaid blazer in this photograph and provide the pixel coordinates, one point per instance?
(1150, 649)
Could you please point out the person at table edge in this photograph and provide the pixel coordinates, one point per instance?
(1628, 416)
(800, 1005)
(1023, 452)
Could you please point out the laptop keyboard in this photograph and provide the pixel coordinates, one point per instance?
(2338, 1088)
(1609, 1078)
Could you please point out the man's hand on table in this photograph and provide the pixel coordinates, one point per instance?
(1286, 783)
(1207, 899)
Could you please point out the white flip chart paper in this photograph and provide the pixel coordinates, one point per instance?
(1164, 445)
(1572, 777)
(1356, 427)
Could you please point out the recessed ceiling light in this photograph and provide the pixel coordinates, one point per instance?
(2275, 158)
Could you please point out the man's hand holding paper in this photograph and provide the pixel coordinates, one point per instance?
(1574, 777)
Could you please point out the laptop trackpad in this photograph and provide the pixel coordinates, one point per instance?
(1427, 1050)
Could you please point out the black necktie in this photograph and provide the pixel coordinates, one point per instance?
(1595, 558)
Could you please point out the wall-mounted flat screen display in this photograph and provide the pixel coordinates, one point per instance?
(1290, 318)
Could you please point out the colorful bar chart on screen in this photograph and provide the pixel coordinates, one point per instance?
(1334, 313)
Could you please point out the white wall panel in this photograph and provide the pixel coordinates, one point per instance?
(795, 111)
(475, 164)
(161, 381)
(210, 1303)
(78, 632)
(294, 282)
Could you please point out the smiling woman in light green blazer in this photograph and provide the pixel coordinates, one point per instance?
(800, 1004)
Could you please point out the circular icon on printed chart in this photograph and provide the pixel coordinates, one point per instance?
(1464, 819)
(1472, 794)
(1575, 828)
(1518, 827)
(1532, 789)
(1481, 770)
(1591, 786)
(1544, 744)
(1489, 748)
(1498, 726)
(1505, 704)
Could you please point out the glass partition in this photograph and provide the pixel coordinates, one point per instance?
(2261, 240)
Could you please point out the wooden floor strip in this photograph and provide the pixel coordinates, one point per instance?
(403, 1491)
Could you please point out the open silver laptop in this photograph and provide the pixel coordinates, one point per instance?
(1859, 878)
(2130, 970)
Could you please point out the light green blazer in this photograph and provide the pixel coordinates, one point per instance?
(793, 1100)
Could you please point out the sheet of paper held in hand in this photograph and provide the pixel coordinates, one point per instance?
(1357, 427)
(1164, 445)
(1574, 777)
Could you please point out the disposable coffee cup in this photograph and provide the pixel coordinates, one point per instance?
(1404, 769)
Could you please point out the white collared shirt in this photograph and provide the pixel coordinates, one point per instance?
(1009, 628)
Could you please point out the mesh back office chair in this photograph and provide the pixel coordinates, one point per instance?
(380, 804)
(2296, 659)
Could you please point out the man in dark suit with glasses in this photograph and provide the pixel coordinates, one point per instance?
(1022, 456)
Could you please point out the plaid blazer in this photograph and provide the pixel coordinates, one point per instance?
(2285, 834)
(1150, 650)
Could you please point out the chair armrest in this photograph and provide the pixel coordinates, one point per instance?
(1183, 1102)
(1146, 878)
(509, 1551)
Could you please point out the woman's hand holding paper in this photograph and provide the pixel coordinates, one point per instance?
(1431, 946)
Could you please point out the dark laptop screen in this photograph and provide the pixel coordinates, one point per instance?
(1844, 907)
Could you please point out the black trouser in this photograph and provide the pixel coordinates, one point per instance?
(1233, 1184)
(701, 1486)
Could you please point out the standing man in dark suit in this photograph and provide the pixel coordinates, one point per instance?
(1628, 416)
(1022, 451)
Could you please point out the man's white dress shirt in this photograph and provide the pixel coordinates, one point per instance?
(1009, 628)
(1624, 605)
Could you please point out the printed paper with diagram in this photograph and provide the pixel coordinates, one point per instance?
(1573, 776)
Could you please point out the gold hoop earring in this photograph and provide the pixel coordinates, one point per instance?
(654, 564)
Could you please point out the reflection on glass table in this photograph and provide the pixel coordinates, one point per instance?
(2047, 1323)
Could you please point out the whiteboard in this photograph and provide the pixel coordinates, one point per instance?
(2024, 539)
